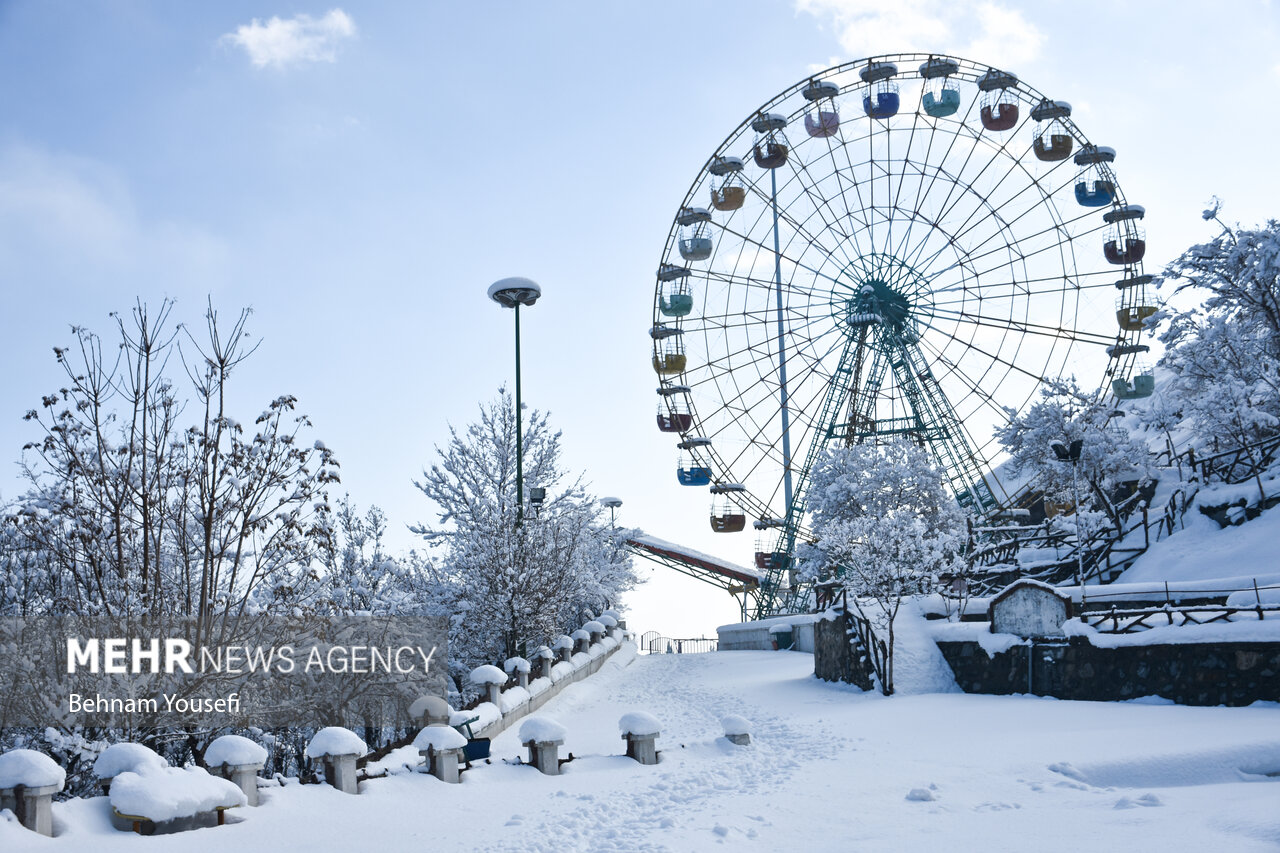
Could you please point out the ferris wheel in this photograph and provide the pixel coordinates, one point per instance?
(907, 245)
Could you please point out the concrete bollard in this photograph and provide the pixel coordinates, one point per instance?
(340, 771)
(430, 710)
(243, 776)
(33, 778)
(563, 647)
(640, 730)
(642, 748)
(443, 764)
(493, 693)
(545, 755)
(33, 806)
(442, 747)
(581, 640)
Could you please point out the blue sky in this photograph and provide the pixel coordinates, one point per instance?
(360, 173)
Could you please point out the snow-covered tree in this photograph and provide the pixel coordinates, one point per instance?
(1109, 454)
(509, 585)
(1222, 359)
(885, 524)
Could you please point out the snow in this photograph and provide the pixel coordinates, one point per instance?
(439, 737)
(562, 642)
(1251, 631)
(121, 757)
(517, 665)
(614, 615)
(488, 674)
(165, 793)
(581, 635)
(593, 627)
(1203, 550)
(513, 698)
(1253, 598)
(732, 724)
(335, 740)
(780, 628)
(541, 730)
(543, 652)
(975, 632)
(234, 749)
(816, 747)
(639, 723)
(485, 714)
(423, 704)
(606, 620)
(29, 768)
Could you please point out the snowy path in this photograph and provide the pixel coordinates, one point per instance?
(829, 769)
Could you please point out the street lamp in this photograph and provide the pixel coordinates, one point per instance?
(1072, 454)
(612, 504)
(512, 293)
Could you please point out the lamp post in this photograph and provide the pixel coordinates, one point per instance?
(512, 293)
(1072, 454)
(612, 504)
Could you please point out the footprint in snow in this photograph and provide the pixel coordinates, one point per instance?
(1145, 801)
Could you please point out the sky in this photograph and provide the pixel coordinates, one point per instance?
(360, 173)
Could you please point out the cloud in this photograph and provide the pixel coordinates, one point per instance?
(981, 30)
(282, 42)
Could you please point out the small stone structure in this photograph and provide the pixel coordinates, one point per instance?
(544, 737)
(1029, 608)
(835, 655)
(442, 747)
(563, 647)
(582, 640)
(239, 760)
(28, 781)
(338, 749)
(737, 730)
(430, 710)
(546, 660)
(640, 730)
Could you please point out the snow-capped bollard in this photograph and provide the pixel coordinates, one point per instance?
(442, 747)
(521, 668)
(491, 679)
(28, 781)
(737, 729)
(563, 647)
(544, 737)
(581, 640)
(640, 731)
(124, 758)
(430, 710)
(595, 630)
(338, 748)
(238, 759)
(546, 660)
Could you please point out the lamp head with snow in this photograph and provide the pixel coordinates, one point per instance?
(510, 292)
(1068, 454)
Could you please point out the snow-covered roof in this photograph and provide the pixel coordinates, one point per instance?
(639, 723)
(695, 558)
(31, 769)
(439, 737)
(333, 740)
(234, 750)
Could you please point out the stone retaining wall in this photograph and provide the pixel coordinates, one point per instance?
(1186, 673)
(834, 656)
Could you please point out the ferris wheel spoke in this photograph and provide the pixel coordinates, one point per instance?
(970, 345)
(820, 203)
(1058, 332)
(785, 216)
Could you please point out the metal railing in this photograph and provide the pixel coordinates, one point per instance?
(653, 643)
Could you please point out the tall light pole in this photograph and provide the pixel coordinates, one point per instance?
(612, 504)
(512, 293)
(1072, 454)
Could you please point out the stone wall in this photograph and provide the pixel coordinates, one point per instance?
(834, 655)
(745, 636)
(1186, 673)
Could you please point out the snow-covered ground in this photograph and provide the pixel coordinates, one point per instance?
(828, 769)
